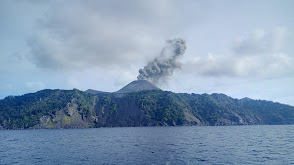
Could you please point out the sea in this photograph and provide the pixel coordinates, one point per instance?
(254, 144)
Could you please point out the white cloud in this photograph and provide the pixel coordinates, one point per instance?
(87, 33)
(272, 65)
(258, 55)
(102, 44)
(260, 42)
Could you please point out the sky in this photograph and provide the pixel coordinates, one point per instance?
(240, 48)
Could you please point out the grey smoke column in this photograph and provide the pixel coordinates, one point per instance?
(164, 65)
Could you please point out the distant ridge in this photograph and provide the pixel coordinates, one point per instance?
(94, 92)
(138, 85)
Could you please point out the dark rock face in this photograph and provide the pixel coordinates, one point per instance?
(68, 117)
(139, 85)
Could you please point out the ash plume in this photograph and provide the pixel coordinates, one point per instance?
(164, 65)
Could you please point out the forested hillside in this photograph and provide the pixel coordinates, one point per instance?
(78, 109)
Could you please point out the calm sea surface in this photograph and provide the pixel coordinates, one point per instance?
(150, 145)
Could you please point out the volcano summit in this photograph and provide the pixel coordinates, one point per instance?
(139, 85)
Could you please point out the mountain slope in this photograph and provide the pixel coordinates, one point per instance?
(91, 91)
(78, 109)
(139, 85)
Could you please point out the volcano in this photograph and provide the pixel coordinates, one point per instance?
(138, 85)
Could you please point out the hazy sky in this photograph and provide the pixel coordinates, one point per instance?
(239, 48)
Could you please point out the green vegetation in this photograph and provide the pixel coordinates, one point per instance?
(138, 108)
(51, 124)
(113, 108)
(67, 119)
(161, 106)
(25, 111)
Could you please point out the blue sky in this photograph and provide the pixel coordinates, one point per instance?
(239, 48)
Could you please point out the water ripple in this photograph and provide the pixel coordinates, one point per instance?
(150, 145)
